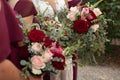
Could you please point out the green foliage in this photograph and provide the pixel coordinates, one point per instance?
(58, 30)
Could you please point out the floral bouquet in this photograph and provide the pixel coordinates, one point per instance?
(84, 17)
(56, 30)
(46, 55)
(85, 31)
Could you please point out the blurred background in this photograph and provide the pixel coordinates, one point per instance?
(109, 63)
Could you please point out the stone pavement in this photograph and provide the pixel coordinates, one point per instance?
(98, 73)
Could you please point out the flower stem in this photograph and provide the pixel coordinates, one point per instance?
(96, 4)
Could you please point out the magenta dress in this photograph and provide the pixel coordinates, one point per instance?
(10, 34)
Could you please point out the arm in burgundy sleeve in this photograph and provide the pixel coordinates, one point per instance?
(25, 8)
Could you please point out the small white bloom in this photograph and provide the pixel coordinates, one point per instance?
(36, 71)
(95, 27)
(97, 11)
(56, 19)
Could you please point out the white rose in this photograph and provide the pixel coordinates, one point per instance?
(71, 16)
(97, 11)
(95, 27)
(74, 9)
(36, 71)
(47, 56)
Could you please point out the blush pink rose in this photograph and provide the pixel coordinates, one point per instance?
(74, 11)
(83, 18)
(37, 62)
(95, 27)
(84, 11)
(56, 50)
(36, 47)
(71, 16)
(97, 11)
(47, 56)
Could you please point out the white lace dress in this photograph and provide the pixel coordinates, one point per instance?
(43, 6)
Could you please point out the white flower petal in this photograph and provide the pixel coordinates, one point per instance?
(36, 71)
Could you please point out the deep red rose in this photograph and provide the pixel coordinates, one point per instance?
(57, 51)
(92, 16)
(36, 35)
(59, 65)
(48, 42)
(81, 26)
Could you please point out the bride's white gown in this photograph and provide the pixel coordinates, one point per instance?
(43, 6)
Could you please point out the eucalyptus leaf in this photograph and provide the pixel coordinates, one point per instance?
(23, 62)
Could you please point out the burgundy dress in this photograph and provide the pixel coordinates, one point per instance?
(73, 3)
(75, 69)
(26, 8)
(10, 34)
